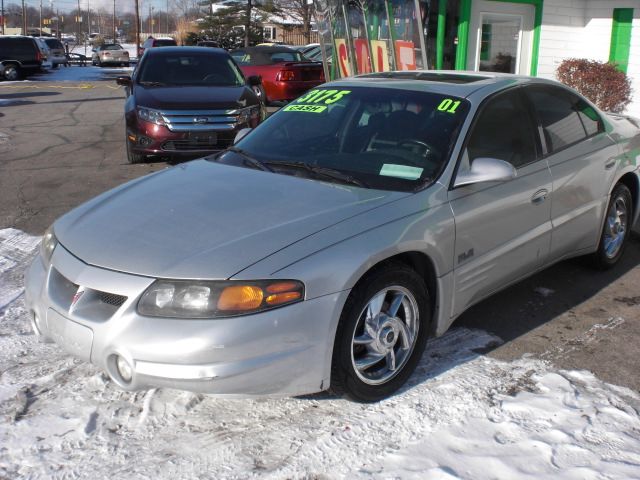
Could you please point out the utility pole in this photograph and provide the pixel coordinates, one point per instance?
(40, 19)
(2, 14)
(78, 20)
(247, 26)
(137, 28)
(88, 19)
(151, 19)
(58, 18)
(167, 17)
(24, 19)
(114, 21)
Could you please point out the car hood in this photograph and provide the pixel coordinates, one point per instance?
(205, 220)
(193, 98)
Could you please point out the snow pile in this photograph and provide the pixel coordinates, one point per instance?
(462, 415)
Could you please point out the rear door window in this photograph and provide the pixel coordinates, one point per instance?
(566, 119)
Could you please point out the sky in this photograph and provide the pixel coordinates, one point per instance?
(122, 6)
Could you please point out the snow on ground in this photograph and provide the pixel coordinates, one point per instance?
(462, 416)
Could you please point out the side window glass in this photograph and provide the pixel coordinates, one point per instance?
(503, 130)
(559, 114)
(590, 118)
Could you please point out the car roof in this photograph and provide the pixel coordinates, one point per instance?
(446, 82)
(186, 50)
(266, 49)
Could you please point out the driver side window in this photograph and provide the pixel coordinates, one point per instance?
(502, 130)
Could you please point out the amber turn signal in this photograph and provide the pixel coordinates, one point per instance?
(280, 298)
(240, 298)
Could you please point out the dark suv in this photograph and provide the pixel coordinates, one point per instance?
(187, 102)
(19, 56)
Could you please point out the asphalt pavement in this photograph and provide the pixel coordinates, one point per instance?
(62, 143)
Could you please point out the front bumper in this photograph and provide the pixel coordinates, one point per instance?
(150, 139)
(286, 351)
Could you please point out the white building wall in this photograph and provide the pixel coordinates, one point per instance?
(582, 29)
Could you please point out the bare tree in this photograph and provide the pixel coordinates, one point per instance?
(300, 10)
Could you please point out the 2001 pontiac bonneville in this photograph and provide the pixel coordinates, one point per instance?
(325, 247)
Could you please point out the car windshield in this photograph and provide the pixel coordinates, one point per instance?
(383, 138)
(202, 68)
(114, 46)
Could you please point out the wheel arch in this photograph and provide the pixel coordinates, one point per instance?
(631, 181)
(421, 263)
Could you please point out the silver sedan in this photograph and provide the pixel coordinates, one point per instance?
(327, 245)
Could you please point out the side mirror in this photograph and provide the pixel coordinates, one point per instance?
(241, 134)
(254, 80)
(124, 81)
(486, 170)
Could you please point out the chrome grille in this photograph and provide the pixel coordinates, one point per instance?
(200, 120)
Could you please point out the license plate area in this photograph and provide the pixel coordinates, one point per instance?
(203, 138)
(73, 337)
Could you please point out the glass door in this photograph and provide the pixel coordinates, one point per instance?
(499, 43)
(500, 37)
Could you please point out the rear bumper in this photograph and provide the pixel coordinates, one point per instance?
(288, 91)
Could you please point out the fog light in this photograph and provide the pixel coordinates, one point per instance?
(144, 141)
(124, 369)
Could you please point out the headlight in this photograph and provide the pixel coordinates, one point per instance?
(48, 245)
(201, 299)
(150, 115)
(246, 114)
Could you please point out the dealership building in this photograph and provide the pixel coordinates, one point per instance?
(528, 37)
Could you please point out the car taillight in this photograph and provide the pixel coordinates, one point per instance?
(287, 75)
(40, 57)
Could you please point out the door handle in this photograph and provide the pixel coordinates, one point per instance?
(610, 165)
(540, 196)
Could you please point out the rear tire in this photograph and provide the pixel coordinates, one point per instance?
(133, 157)
(11, 72)
(381, 335)
(616, 229)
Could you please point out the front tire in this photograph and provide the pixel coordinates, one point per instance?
(133, 157)
(616, 229)
(381, 335)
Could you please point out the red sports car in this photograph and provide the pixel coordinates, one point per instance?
(286, 73)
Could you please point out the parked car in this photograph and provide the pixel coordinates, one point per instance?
(187, 101)
(329, 243)
(110, 54)
(154, 43)
(286, 73)
(20, 56)
(208, 43)
(77, 59)
(46, 54)
(57, 51)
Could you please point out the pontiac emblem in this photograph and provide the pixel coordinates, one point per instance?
(76, 297)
